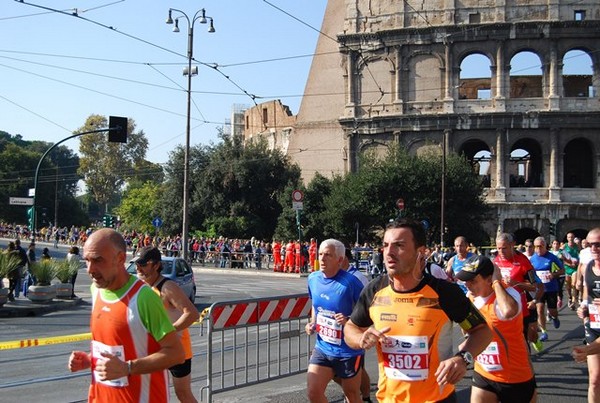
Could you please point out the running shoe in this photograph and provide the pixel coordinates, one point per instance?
(543, 336)
(556, 322)
(537, 346)
(571, 305)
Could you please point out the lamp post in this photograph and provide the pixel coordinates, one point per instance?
(199, 16)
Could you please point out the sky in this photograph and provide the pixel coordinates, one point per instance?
(120, 58)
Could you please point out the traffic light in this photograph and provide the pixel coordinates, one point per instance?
(108, 221)
(30, 214)
(118, 129)
(552, 228)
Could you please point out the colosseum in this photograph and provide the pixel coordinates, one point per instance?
(527, 116)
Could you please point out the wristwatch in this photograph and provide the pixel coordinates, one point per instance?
(466, 356)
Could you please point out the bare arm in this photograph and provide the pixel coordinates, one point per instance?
(363, 337)
(175, 296)
(505, 302)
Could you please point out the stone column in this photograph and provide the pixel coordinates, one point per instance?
(553, 80)
(500, 164)
(398, 80)
(449, 78)
(554, 189)
(501, 89)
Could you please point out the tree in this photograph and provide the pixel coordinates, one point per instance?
(234, 188)
(106, 166)
(367, 199)
(57, 181)
(139, 206)
(240, 187)
(170, 203)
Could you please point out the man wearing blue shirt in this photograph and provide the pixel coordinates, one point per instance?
(548, 269)
(333, 292)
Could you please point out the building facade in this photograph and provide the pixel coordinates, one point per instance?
(395, 73)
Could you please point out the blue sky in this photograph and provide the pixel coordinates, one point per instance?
(57, 69)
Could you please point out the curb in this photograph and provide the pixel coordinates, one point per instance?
(24, 308)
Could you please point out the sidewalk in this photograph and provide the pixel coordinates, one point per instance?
(22, 306)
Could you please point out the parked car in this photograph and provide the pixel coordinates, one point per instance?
(176, 269)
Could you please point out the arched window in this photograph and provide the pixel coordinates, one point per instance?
(526, 76)
(525, 164)
(579, 164)
(577, 74)
(475, 80)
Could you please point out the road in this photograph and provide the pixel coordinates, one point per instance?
(40, 373)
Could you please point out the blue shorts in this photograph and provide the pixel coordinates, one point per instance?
(347, 367)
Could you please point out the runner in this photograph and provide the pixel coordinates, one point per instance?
(503, 371)
(333, 292)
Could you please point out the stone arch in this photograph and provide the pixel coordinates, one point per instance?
(525, 233)
(526, 167)
(578, 164)
(425, 81)
(577, 79)
(478, 153)
(472, 83)
(370, 89)
(526, 74)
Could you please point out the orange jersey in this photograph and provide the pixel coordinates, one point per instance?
(420, 335)
(118, 327)
(506, 358)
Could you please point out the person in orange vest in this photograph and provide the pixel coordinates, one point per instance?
(289, 257)
(298, 255)
(503, 371)
(125, 311)
(312, 254)
(277, 263)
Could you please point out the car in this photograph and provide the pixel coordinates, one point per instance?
(176, 269)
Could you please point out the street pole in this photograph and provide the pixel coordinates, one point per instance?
(118, 125)
(443, 193)
(186, 156)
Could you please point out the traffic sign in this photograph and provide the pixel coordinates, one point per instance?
(400, 204)
(21, 201)
(157, 222)
(297, 196)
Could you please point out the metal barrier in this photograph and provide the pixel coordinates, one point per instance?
(256, 340)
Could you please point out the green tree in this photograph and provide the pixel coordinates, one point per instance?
(366, 200)
(106, 166)
(57, 181)
(241, 185)
(139, 206)
(170, 203)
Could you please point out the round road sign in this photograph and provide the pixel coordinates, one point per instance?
(297, 195)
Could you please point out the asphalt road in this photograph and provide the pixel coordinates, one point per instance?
(36, 374)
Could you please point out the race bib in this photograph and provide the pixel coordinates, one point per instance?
(406, 358)
(594, 316)
(489, 358)
(329, 330)
(544, 275)
(117, 351)
(505, 272)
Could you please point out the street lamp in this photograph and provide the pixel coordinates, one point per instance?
(201, 17)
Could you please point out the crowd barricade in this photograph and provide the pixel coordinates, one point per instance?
(256, 340)
(234, 260)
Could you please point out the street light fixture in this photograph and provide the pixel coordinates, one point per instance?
(201, 17)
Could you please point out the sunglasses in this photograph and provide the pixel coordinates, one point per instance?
(594, 244)
(143, 264)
